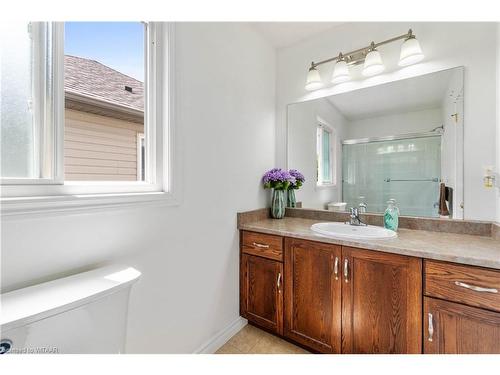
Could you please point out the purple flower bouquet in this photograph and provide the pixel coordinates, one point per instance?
(299, 179)
(277, 179)
(291, 201)
(280, 181)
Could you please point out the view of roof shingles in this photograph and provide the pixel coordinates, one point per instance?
(92, 79)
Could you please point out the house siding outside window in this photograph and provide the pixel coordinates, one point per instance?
(104, 114)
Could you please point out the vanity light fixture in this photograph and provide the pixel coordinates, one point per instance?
(313, 79)
(411, 53)
(340, 71)
(373, 62)
(369, 56)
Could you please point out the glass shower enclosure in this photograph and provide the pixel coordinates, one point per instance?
(407, 169)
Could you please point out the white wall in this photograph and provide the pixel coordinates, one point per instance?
(451, 157)
(396, 123)
(303, 123)
(445, 45)
(189, 253)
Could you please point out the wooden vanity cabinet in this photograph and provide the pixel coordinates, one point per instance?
(342, 299)
(261, 280)
(313, 294)
(381, 302)
(461, 309)
(338, 299)
(453, 328)
(261, 297)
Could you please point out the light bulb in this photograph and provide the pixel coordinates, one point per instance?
(373, 63)
(313, 81)
(411, 52)
(340, 72)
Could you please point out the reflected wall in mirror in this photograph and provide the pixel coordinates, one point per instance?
(401, 140)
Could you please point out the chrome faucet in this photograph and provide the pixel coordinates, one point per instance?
(354, 218)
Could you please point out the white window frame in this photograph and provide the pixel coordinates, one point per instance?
(323, 125)
(140, 140)
(50, 191)
(46, 85)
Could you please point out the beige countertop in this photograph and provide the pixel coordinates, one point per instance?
(458, 248)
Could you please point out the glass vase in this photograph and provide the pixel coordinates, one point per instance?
(278, 204)
(291, 201)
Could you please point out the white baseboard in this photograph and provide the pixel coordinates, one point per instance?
(221, 337)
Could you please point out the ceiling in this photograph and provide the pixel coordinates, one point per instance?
(284, 34)
(413, 94)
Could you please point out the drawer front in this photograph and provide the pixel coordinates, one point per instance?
(263, 245)
(470, 285)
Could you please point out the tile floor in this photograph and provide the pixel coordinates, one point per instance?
(251, 340)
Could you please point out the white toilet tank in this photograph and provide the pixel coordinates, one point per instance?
(83, 313)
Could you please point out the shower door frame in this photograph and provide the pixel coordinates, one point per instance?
(391, 138)
(433, 133)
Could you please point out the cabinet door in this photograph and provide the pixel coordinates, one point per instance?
(312, 294)
(452, 328)
(261, 296)
(381, 302)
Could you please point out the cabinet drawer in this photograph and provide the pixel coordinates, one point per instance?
(263, 245)
(470, 285)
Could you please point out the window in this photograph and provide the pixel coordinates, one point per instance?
(85, 113)
(28, 95)
(17, 145)
(104, 100)
(325, 153)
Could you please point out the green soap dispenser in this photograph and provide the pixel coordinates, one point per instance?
(391, 215)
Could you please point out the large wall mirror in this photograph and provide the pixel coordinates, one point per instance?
(401, 140)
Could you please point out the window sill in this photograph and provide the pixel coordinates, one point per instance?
(326, 186)
(17, 206)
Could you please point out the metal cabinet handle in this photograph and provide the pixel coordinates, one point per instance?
(336, 268)
(278, 282)
(260, 245)
(346, 270)
(476, 288)
(430, 327)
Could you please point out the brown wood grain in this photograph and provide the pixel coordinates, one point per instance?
(440, 280)
(460, 329)
(261, 300)
(312, 295)
(381, 303)
(252, 240)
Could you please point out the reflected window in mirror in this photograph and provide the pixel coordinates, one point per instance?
(325, 153)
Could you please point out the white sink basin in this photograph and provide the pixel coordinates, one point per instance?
(342, 230)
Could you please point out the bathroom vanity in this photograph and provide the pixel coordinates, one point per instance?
(435, 288)
(422, 292)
